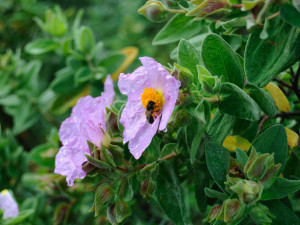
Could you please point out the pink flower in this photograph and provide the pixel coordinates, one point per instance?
(85, 123)
(152, 93)
(8, 205)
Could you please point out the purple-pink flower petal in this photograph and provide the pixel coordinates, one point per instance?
(8, 205)
(85, 123)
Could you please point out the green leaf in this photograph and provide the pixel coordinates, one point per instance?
(169, 195)
(25, 117)
(180, 26)
(217, 159)
(220, 126)
(195, 41)
(44, 155)
(84, 39)
(112, 61)
(263, 99)
(83, 75)
(10, 100)
(290, 14)
(97, 163)
(63, 83)
(168, 149)
(235, 102)
(264, 59)
(41, 46)
(18, 219)
(201, 181)
(241, 156)
(188, 57)
(219, 58)
(273, 139)
(284, 216)
(281, 188)
(215, 194)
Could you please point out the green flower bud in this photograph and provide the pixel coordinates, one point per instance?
(183, 74)
(261, 168)
(55, 22)
(233, 210)
(103, 195)
(117, 153)
(213, 9)
(185, 98)
(260, 214)
(154, 11)
(123, 210)
(214, 213)
(249, 192)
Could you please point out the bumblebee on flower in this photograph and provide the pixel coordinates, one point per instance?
(152, 93)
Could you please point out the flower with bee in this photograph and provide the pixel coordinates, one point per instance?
(152, 93)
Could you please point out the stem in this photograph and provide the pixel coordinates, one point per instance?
(176, 10)
(121, 168)
(262, 12)
(282, 83)
(170, 156)
(273, 15)
(261, 123)
(288, 114)
(212, 100)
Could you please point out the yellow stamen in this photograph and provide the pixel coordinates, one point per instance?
(150, 94)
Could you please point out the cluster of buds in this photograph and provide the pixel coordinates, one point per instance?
(247, 182)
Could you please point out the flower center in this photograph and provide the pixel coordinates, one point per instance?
(152, 100)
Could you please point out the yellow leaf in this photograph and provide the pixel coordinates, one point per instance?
(279, 98)
(130, 53)
(293, 138)
(233, 142)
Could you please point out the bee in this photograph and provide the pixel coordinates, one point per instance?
(150, 112)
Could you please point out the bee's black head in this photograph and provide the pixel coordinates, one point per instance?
(150, 105)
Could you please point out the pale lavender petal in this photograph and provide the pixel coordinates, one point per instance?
(133, 119)
(143, 138)
(109, 92)
(134, 84)
(68, 162)
(8, 205)
(170, 87)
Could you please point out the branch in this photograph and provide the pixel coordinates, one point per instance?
(282, 83)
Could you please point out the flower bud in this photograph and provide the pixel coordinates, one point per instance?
(55, 22)
(104, 194)
(185, 98)
(117, 153)
(155, 11)
(123, 210)
(213, 213)
(233, 210)
(261, 168)
(183, 75)
(213, 9)
(248, 191)
(259, 214)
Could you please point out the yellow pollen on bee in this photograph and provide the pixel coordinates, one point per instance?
(150, 94)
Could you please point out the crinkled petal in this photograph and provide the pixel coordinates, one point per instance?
(133, 119)
(170, 87)
(8, 205)
(68, 162)
(143, 138)
(109, 92)
(134, 84)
